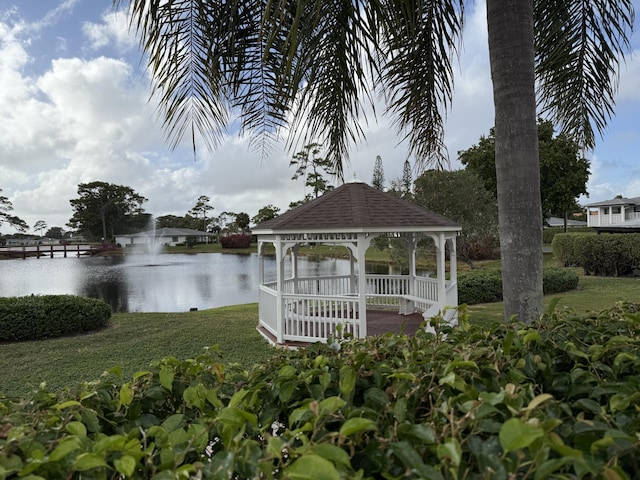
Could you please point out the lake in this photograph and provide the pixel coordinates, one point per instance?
(161, 283)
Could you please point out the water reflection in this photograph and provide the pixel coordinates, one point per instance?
(162, 283)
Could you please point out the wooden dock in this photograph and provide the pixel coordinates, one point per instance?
(75, 249)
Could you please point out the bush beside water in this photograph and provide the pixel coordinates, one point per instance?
(236, 241)
(555, 399)
(46, 316)
(485, 286)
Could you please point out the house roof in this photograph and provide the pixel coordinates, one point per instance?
(559, 222)
(616, 201)
(356, 206)
(167, 232)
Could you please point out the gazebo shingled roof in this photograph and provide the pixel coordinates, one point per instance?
(358, 206)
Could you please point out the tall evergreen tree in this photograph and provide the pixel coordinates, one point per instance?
(313, 167)
(201, 211)
(308, 64)
(377, 179)
(407, 178)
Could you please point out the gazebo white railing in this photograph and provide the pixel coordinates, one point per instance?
(316, 308)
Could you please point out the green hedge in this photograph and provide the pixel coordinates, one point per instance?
(37, 317)
(616, 254)
(485, 286)
(556, 399)
(549, 233)
(239, 240)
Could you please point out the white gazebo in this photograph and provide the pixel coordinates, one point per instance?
(298, 309)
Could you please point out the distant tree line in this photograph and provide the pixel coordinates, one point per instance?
(468, 196)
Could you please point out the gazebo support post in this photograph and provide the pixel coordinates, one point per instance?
(411, 243)
(352, 273)
(362, 245)
(294, 266)
(279, 288)
(453, 276)
(260, 262)
(441, 271)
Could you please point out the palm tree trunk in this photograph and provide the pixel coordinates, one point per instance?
(511, 54)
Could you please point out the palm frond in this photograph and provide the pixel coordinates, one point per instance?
(185, 43)
(422, 38)
(262, 88)
(579, 47)
(331, 60)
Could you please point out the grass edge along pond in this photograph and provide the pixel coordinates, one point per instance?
(132, 341)
(135, 340)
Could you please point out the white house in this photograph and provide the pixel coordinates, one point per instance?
(163, 236)
(617, 211)
(19, 241)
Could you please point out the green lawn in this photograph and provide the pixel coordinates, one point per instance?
(592, 294)
(133, 341)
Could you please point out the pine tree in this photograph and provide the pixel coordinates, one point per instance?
(377, 181)
(407, 178)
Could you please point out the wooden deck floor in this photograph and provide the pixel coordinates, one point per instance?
(378, 322)
(384, 321)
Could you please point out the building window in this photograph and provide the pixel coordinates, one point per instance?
(175, 239)
(605, 210)
(615, 210)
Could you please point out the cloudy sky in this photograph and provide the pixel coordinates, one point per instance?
(74, 109)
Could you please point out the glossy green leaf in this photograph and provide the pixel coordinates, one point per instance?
(347, 382)
(67, 404)
(166, 378)
(125, 465)
(531, 336)
(64, 448)
(312, 467)
(126, 394)
(516, 434)
(287, 371)
(423, 433)
(331, 404)
(357, 425)
(173, 422)
(76, 428)
(199, 436)
(331, 452)
(87, 461)
(195, 396)
(537, 401)
(450, 451)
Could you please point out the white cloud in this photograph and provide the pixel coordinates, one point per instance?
(629, 75)
(114, 29)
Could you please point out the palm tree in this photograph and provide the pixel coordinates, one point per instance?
(314, 65)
